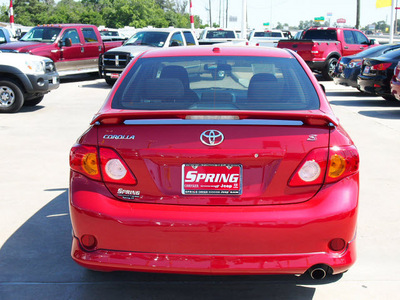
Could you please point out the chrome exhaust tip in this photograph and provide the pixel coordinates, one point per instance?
(319, 272)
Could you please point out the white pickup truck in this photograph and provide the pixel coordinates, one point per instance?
(24, 80)
(219, 35)
(266, 38)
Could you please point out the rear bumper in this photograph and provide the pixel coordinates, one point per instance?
(379, 86)
(276, 239)
(347, 78)
(108, 260)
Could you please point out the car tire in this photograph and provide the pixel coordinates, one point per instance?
(329, 69)
(11, 97)
(34, 101)
(110, 81)
(389, 98)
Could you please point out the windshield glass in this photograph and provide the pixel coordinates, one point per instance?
(41, 34)
(216, 83)
(148, 38)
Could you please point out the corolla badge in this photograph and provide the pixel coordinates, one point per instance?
(212, 137)
(118, 137)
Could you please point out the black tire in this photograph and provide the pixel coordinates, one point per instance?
(329, 69)
(11, 97)
(34, 101)
(389, 98)
(110, 81)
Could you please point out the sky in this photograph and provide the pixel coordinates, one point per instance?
(292, 11)
(288, 11)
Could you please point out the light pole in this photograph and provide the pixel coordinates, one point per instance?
(358, 15)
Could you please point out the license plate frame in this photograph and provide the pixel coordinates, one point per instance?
(212, 179)
(366, 70)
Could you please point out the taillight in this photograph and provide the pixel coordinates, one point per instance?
(105, 165)
(326, 165)
(355, 63)
(84, 160)
(314, 49)
(114, 169)
(381, 67)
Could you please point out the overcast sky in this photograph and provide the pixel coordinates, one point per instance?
(287, 11)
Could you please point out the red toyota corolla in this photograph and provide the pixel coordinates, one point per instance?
(213, 160)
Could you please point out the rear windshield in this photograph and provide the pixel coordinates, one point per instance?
(267, 34)
(392, 54)
(216, 83)
(220, 34)
(317, 34)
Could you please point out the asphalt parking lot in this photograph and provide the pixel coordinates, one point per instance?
(35, 236)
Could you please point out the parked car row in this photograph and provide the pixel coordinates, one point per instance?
(371, 71)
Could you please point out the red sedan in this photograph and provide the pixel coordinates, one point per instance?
(213, 160)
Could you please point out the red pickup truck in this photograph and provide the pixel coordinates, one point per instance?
(321, 47)
(74, 48)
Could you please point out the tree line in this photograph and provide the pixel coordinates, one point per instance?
(110, 13)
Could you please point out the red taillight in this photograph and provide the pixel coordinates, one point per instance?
(355, 63)
(314, 49)
(114, 169)
(106, 165)
(84, 160)
(381, 67)
(317, 168)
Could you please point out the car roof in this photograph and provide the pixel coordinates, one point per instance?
(213, 50)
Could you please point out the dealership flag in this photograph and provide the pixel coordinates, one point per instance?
(11, 14)
(383, 3)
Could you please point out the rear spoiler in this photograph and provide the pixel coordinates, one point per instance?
(313, 118)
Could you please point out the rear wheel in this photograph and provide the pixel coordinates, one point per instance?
(11, 97)
(329, 68)
(389, 98)
(110, 81)
(34, 101)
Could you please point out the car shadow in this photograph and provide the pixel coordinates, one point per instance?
(35, 263)
(27, 109)
(79, 77)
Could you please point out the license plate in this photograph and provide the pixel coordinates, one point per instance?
(366, 70)
(211, 179)
(114, 76)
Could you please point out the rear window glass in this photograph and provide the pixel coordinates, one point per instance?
(392, 54)
(216, 83)
(220, 34)
(320, 35)
(267, 34)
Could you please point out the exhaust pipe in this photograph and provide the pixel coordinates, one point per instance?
(318, 272)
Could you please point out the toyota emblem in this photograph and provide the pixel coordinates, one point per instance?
(212, 137)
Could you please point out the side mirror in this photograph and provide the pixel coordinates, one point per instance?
(65, 43)
(373, 42)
